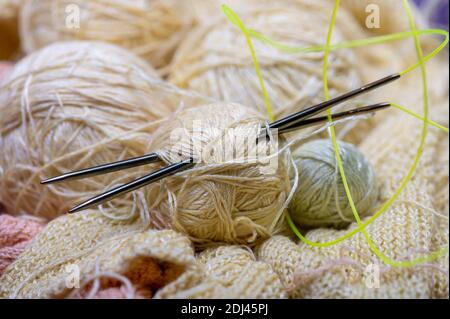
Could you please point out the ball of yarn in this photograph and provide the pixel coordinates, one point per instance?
(73, 105)
(150, 28)
(320, 199)
(227, 197)
(214, 59)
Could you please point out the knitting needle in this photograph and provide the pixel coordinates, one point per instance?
(138, 183)
(172, 169)
(285, 123)
(105, 168)
(153, 157)
(308, 112)
(337, 116)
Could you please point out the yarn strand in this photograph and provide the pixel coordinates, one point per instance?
(422, 60)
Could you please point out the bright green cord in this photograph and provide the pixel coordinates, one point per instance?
(352, 44)
(233, 17)
(417, 116)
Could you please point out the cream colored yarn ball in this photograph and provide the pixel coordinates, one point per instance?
(320, 199)
(149, 28)
(215, 60)
(224, 198)
(69, 106)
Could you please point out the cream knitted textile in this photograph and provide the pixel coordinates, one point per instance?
(236, 269)
(98, 245)
(93, 243)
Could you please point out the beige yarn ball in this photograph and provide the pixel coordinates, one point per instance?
(320, 199)
(150, 28)
(215, 60)
(73, 105)
(227, 197)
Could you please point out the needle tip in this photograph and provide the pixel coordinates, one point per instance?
(54, 179)
(76, 208)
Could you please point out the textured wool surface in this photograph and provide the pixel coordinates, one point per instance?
(93, 242)
(214, 58)
(415, 225)
(232, 195)
(15, 235)
(320, 199)
(236, 269)
(151, 28)
(5, 67)
(215, 61)
(73, 105)
(159, 264)
(112, 254)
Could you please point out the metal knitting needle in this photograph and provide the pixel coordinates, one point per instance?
(309, 112)
(285, 123)
(337, 116)
(172, 169)
(138, 183)
(292, 122)
(105, 168)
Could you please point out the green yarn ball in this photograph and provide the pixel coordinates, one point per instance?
(314, 204)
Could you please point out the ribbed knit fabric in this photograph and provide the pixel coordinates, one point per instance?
(414, 226)
(15, 234)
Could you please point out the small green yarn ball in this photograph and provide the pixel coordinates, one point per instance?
(320, 187)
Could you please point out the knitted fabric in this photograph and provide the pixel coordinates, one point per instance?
(236, 269)
(4, 68)
(412, 227)
(15, 234)
(95, 244)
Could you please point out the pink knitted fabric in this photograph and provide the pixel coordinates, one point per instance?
(4, 68)
(15, 234)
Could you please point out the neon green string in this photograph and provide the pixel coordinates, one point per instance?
(382, 256)
(356, 43)
(417, 116)
(444, 250)
(351, 44)
(233, 17)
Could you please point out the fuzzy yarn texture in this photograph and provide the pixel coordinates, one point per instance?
(5, 67)
(231, 195)
(214, 58)
(15, 235)
(73, 105)
(320, 199)
(118, 255)
(148, 263)
(414, 226)
(150, 28)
